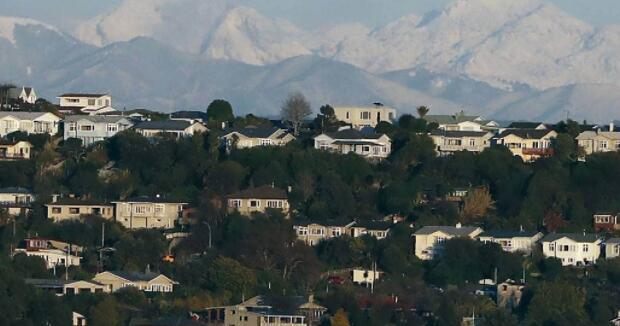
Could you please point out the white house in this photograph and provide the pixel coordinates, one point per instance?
(84, 102)
(517, 241)
(91, 129)
(175, 128)
(16, 200)
(448, 142)
(462, 122)
(29, 122)
(360, 117)
(52, 257)
(369, 145)
(365, 276)
(612, 248)
(572, 249)
(429, 240)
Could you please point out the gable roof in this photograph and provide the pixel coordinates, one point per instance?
(460, 134)
(262, 192)
(78, 202)
(255, 132)
(147, 199)
(137, 276)
(444, 119)
(325, 223)
(97, 118)
(189, 115)
(577, 237)
(25, 115)
(14, 190)
(353, 134)
(592, 134)
(499, 234)
(96, 95)
(49, 283)
(13, 142)
(164, 125)
(374, 225)
(451, 230)
(525, 125)
(526, 133)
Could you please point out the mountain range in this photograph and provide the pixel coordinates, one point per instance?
(504, 59)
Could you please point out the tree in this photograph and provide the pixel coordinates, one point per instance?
(546, 309)
(476, 204)
(219, 111)
(295, 109)
(340, 318)
(422, 111)
(105, 313)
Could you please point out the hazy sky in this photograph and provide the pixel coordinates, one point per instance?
(306, 13)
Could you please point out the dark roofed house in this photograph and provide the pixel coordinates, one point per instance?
(429, 240)
(370, 145)
(513, 241)
(258, 200)
(527, 125)
(572, 249)
(253, 136)
(190, 116)
(175, 128)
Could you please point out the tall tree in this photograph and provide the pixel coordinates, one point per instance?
(422, 111)
(219, 111)
(294, 109)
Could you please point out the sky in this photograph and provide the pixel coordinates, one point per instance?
(305, 13)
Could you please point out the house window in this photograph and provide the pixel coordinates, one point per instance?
(72, 100)
(86, 128)
(602, 144)
(274, 203)
(365, 149)
(254, 203)
(140, 209)
(236, 203)
(365, 115)
(617, 249)
(159, 208)
(56, 210)
(74, 210)
(112, 127)
(585, 248)
(265, 142)
(72, 126)
(551, 247)
(91, 102)
(472, 142)
(440, 240)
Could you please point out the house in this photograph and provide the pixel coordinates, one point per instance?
(67, 287)
(529, 144)
(174, 128)
(190, 116)
(74, 209)
(29, 122)
(573, 249)
(375, 229)
(54, 256)
(40, 243)
(612, 248)
(15, 149)
(512, 241)
(597, 141)
(84, 102)
(606, 222)
(461, 122)
(311, 233)
(258, 200)
(365, 277)
(148, 213)
(16, 200)
(359, 116)
(91, 129)
(259, 310)
(429, 240)
(147, 282)
(251, 136)
(25, 94)
(448, 142)
(78, 319)
(456, 195)
(369, 145)
(508, 294)
(527, 125)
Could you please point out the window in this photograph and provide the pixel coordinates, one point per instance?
(74, 210)
(72, 100)
(348, 115)
(602, 144)
(254, 203)
(236, 203)
(87, 128)
(440, 240)
(585, 247)
(617, 249)
(365, 149)
(91, 101)
(140, 209)
(56, 210)
(365, 115)
(159, 209)
(265, 142)
(551, 247)
(472, 142)
(274, 203)
(112, 127)
(72, 126)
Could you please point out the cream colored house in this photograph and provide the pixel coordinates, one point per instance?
(312, 233)
(85, 102)
(29, 122)
(78, 319)
(612, 248)
(429, 240)
(572, 249)
(147, 282)
(360, 117)
(365, 276)
(599, 141)
(513, 241)
(175, 128)
(67, 287)
(15, 150)
(256, 311)
(16, 200)
(148, 213)
(461, 122)
(258, 200)
(73, 209)
(256, 136)
(52, 257)
(448, 142)
(372, 146)
(529, 144)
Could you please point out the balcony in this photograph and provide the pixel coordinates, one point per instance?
(537, 151)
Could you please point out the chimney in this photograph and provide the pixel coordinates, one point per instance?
(311, 298)
(458, 225)
(289, 189)
(611, 126)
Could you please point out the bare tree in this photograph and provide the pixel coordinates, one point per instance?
(422, 111)
(294, 109)
(476, 204)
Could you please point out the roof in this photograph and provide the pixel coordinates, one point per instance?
(24, 115)
(275, 305)
(592, 134)
(353, 134)
(189, 115)
(451, 118)
(526, 133)
(577, 237)
(459, 134)
(164, 125)
(40, 282)
(147, 199)
(525, 125)
(508, 234)
(137, 276)
(326, 223)
(262, 192)
(96, 118)
(613, 240)
(13, 142)
(374, 225)
(96, 95)
(452, 230)
(28, 90)
(256, 132)
(79, 202)
(15, 190)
